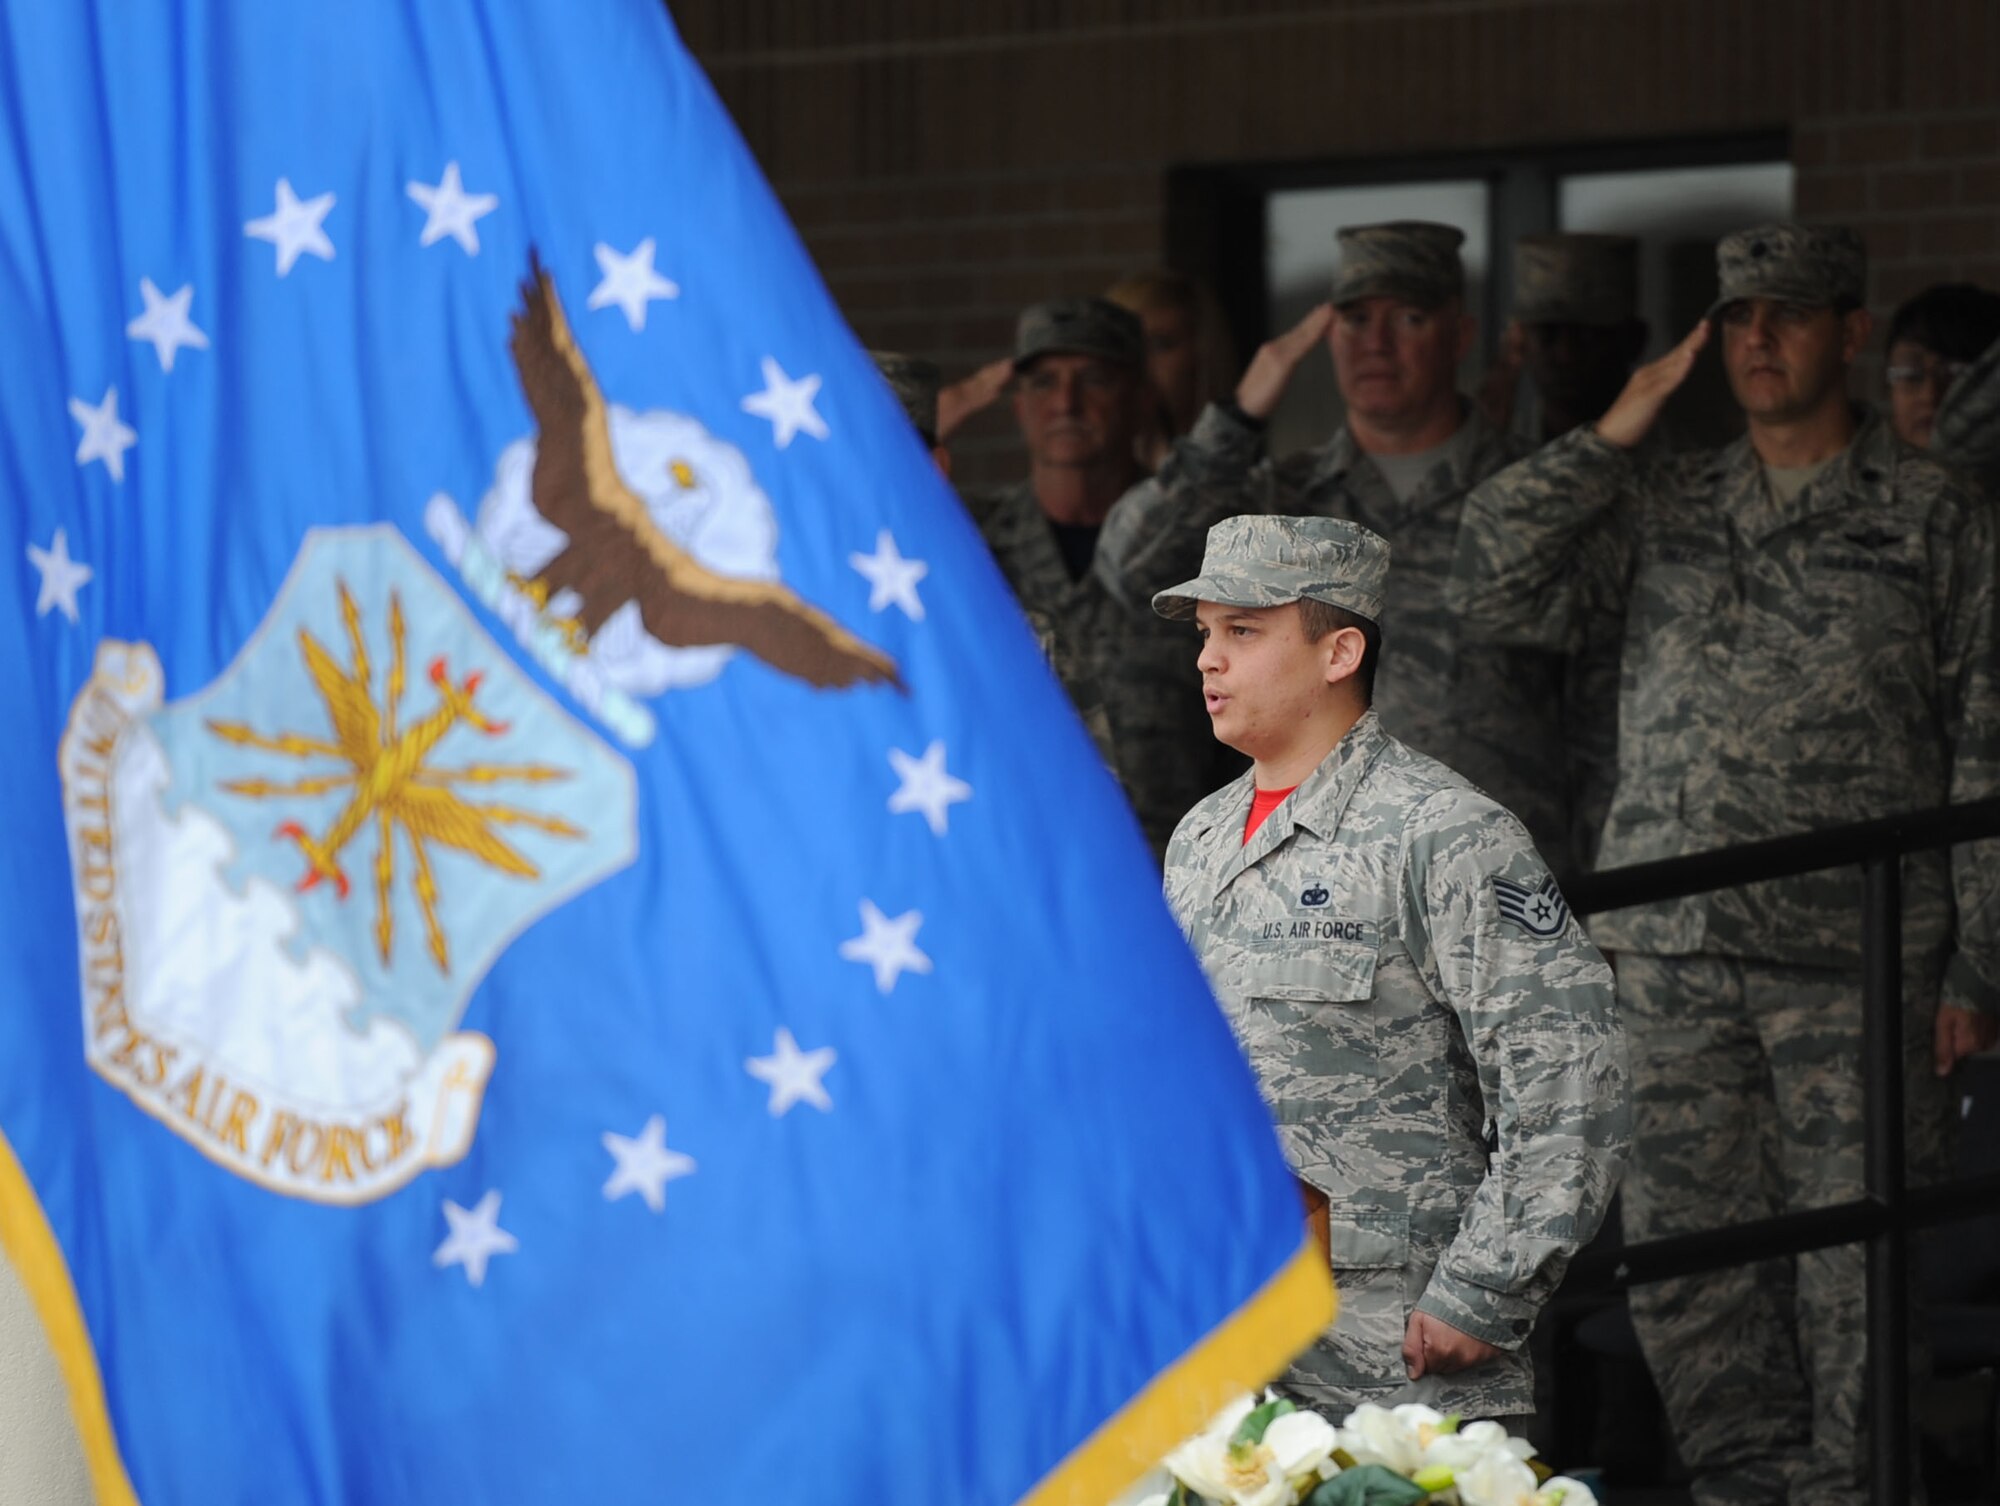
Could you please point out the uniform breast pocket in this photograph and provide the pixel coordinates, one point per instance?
(1319, 1056)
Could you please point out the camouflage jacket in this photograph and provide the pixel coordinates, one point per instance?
(1124, 667)
(1967, 433)
(1496, 715)
(1436, 1038)
(1785, 667)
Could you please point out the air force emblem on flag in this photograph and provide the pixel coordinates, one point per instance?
(289, 883)
(1539, 912)
(632, 553)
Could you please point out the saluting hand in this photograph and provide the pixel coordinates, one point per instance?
(1638, 406)
(1271, 368)
(1432, 1346)
(973, 394)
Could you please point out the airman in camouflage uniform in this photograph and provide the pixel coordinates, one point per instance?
(1107, 651)
(1968, 422)
(916, 382)
(1804, 648)
(1434, 1033)
(1494, 714)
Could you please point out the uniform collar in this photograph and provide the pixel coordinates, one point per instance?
(1316, 805)
(1864, 473)
(1475, 450)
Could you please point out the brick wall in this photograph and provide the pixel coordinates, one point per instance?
(947, 163)
(941, 265)
(1923, 189)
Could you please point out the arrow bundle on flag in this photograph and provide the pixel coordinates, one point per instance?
(562, 942)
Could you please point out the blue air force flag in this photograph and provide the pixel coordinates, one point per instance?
(561, 943)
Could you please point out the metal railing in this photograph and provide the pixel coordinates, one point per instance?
(1890, 1210)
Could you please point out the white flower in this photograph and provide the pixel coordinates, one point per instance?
(1154, 1488)
(1300, 1442)
(1497, 1479)
(1395, 1440)
(1563, 1491)
(1501, 1479)
(1202, 1465)
(1294, 1445)
(1459, 1451)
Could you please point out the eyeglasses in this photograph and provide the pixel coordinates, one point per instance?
(1945, 372)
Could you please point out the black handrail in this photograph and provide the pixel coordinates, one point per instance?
(1885, 1217)
(1783, 857)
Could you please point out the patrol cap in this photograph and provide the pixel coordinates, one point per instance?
(915, 382)
(1819, 266)
(1576, 278)
(1415, 260)
(1083, 326)
(1260, 561)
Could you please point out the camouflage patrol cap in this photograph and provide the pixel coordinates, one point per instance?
(1086, 326)
(915, 382)
(1411, 259)
(1818, 266)
(1576, 279)
(1260, 561)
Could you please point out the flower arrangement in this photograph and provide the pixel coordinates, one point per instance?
(1270, 1453)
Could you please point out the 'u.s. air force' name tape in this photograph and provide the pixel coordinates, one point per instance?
(1539, 912)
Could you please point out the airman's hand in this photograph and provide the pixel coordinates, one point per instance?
(1432, 1346)
(1960, 1033)
(1638, 406)
(960, 400)
(1271, 368)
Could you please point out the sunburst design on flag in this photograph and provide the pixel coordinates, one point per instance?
(394, 784)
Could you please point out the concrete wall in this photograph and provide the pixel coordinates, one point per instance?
(41, 1463)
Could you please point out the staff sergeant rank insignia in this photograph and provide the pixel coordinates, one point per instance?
(1539, 912)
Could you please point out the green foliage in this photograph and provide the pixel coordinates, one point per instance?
(1250, 1431)
(1369, 1485)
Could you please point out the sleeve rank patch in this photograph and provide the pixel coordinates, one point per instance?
(1539, 912)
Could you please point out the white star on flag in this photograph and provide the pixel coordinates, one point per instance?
(166, 323)
(630, 282)
(294, 227)
(926, 786)
(891, 578)
(645, 1165)
(475, 1238)
(62, 577)
(888, 946)
(450, 210)
(104, 438)
(794, 1075)
(787, 404)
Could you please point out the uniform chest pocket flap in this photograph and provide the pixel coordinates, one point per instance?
(1325, 975)
(1323, 1053)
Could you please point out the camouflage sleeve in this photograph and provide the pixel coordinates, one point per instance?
(1155, 534)
(1535, 1002)
(1542, 548)
(1968, 650)
(1967, 431)
(1590, 729)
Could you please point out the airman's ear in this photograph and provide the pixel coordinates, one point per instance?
(1856, 326)
(1344, 649)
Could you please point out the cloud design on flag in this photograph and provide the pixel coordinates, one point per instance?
(211, 962)
(698, 490)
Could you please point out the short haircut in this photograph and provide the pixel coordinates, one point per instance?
(1318, 618)
(1955, 319)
